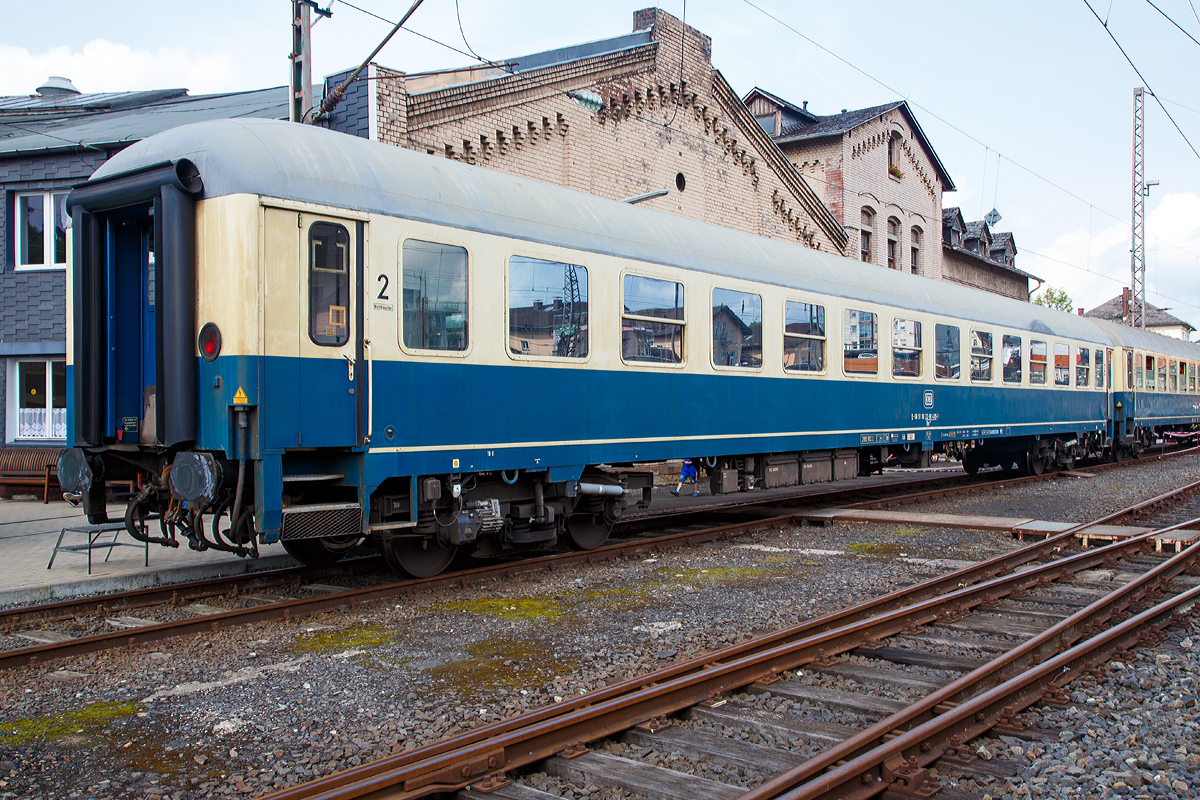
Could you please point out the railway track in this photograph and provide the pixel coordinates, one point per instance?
(1019, 626)
(54, 629)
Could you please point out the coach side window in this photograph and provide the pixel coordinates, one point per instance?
(1191, 377)
(1138, 371)
(1173, 371)
(981, 356)
(435, 296)
(1037, 363)
(652, 320)
(803, 337)
(947, 356)
(906, 348)
(737, 329)
(860, 342)
(1083, 363)
(1099, 367)
(328, 283)
(1010, 353)
(1162, 374)
(1062, 364)
(1149, 372)
(547, 308)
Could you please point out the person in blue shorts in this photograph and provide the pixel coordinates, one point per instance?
(687, 475)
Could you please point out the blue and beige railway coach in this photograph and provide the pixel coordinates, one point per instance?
(287, 333)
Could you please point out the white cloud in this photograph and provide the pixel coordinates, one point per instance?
(104, 66)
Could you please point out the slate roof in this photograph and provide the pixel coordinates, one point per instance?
(1003, 241)
(975, 230)
(779, 101)
(949, 215)
(76, 128)
(34, 107)
(1111, 310)
(984, 259)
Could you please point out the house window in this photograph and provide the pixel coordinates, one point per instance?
(906, 348)
(860, 343)
(893, 245)
(41, 230)
(38, 408)
(981, 356)
(435, 296)
(803, 337)
(946, 364)
(737, 329)
(652, 320)
(547, 308)
(1037, 363)
(894, 155)
(915, 252)
(868, 226)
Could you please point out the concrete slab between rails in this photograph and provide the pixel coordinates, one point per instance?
(146, 577)
(973, 522)
(1102, 534)
(29, 531)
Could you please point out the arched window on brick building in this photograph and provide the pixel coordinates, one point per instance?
(866, 229)
(893, 243)
(915, 251)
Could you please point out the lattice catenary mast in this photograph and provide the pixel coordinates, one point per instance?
(1137, 267)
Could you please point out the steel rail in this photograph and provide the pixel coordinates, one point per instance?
(868, 753)
(519, 741)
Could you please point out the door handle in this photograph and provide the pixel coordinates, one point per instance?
(349, 367)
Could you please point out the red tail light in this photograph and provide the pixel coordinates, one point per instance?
(210, 342)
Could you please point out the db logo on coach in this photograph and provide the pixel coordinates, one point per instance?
(929, 398)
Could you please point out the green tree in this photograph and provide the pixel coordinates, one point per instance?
(1054, 298)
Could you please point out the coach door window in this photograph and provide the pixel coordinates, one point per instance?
(1011, 354)
(981, 356)
(906, 348)
(1162, 374)
(1037, 363)
(736, 329)
(1099, 367)
(947, 355)
(1083, 363)
(328, 284)
(1139, 371)
(1172, 372)
(860, 343)
(547, 308)
(1191, 377)
(1149, 373)
(435, 296)
(652, 320)
(1182, 376)
(803, 337)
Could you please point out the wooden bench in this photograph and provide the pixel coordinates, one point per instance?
(30, 466)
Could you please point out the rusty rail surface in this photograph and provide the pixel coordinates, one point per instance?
(523, 740)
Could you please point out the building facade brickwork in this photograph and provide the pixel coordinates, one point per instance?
(670, 126)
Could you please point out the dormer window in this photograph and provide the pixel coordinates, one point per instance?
(767, 123)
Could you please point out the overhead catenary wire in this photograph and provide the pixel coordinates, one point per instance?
(1173, 22)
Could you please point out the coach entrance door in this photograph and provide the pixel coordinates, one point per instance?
(312, 338)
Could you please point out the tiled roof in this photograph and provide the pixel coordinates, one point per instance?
(975, 230)
(983, 259)
(1111, 310)
(1004, 240)
(59, 105)
(950, 214)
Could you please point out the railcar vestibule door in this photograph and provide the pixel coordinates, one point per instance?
(313, 341)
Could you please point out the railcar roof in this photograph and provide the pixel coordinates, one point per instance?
(1125, 336)
(306, 163)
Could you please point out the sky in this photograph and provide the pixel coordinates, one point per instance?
(1029, 105)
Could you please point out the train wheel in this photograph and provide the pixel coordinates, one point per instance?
(971, 463)
(320, 552)
(1034, 463)
(420, 557)
(1118, 453)
(588, 531)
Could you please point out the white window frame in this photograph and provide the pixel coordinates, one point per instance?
(12, 400)
(18, 225)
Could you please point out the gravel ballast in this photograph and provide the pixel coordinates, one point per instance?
(246, 711)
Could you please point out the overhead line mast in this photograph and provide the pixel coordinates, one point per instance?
(1137, 252)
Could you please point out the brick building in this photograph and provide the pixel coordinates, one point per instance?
(50, 141)
(974, 256)
(876, 171)
(671, 134)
